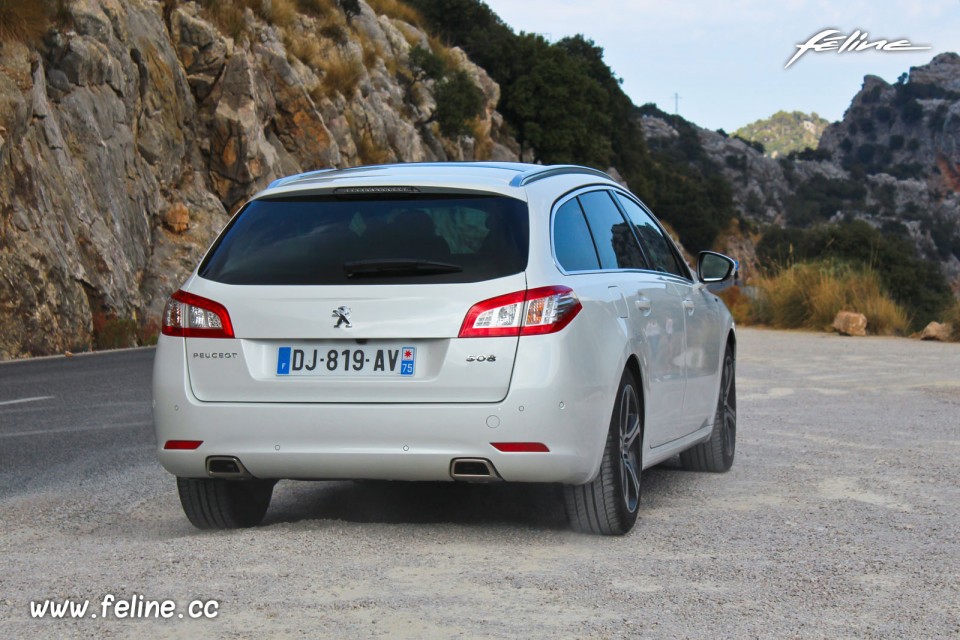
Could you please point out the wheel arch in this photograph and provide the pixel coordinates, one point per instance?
(633, 366)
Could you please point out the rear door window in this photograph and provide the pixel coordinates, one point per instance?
(616, 244)
(326, 240)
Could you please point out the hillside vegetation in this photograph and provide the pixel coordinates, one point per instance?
(564, 105)
(784, 133)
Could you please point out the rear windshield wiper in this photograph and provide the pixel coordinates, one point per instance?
(398, 267)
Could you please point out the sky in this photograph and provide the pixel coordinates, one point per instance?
(725, 58)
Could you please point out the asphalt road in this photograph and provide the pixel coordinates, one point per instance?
(67, 420)
(840, 519)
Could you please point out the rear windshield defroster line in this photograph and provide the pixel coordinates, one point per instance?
(325, 240)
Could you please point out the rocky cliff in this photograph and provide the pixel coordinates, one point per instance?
(132, 132)
(893, 161)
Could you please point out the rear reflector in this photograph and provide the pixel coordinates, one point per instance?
(190, 316)
(183, 445)
(523, 313)
(520, 447)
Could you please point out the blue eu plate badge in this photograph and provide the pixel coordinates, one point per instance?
(407, 361)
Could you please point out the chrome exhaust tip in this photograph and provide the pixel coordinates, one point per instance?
(226, 467)
(473, 470)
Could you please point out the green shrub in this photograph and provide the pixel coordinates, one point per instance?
(819, 198)
(426, 64)
(916, 284)
(459, 101)
(351, 8)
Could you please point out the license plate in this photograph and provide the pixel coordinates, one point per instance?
(341, 360)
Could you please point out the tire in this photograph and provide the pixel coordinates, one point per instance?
(609, 504)
(224, 504)
(716, 454)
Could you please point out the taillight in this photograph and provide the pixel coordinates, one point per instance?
(190, 316)
(523, 313)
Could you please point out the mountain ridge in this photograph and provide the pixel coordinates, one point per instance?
(133, 131)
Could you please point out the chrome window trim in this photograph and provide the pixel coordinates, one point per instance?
(562, 200)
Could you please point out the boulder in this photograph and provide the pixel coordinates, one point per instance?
(177, 218)
(937, 331)
(850, 323)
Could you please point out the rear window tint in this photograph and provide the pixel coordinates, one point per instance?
(318, 240)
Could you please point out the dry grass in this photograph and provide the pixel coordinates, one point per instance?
(318, 8)
(371, 53)
(306, 47)
(227, 15)
(809, 295)
(369, 152)
(341, 74)
(397, 10)
(281, 13)
(483, 144)
(739, 304)
(411, 34)
(952, 317)
(450, 61)
(24, 20)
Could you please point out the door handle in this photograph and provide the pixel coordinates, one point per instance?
(643, 304)
(689, 305)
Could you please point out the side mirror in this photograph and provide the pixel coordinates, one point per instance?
(716, 269)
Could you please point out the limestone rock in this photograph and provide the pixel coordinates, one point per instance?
(202, 50)
(241, 158)
(849, 323)
(937, 331)
(127, 139)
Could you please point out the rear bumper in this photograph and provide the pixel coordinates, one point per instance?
(389, 441)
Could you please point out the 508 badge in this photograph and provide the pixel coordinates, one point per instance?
(490, 358)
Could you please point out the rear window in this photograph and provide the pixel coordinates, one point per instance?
(325, 240)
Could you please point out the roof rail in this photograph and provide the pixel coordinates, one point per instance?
(297, 177)
(533, 175)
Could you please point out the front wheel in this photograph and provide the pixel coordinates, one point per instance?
(609, 505)
(224, 504)
(716, 454)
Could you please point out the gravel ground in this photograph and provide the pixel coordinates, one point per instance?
(839, 519)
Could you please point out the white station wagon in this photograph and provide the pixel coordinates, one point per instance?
(464, 321)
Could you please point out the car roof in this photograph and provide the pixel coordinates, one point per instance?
(502, 177)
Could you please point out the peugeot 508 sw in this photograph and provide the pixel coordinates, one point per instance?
(463, 321)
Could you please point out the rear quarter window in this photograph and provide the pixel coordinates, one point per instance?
(572, 242)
